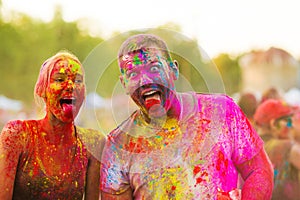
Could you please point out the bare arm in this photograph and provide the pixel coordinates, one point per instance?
(9, 157)
(127, 195)
(93, 177)
(258, 176)
(94, 141)
(295, 155)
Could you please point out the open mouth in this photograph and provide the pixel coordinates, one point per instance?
(151, 98)
(68, 101)
(68, 105)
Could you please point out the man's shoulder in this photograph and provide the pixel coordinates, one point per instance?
(213, 96)
(213, 99)
(123, 127)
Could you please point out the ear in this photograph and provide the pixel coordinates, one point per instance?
(121, 77)
(175, 70)
(273, 126)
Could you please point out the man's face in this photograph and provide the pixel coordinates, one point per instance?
(66, 90)
(148, 78)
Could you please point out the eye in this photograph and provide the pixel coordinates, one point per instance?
(59, 80)
(154, 68)
(132, 74)
(78, 79)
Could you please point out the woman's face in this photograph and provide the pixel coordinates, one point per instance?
(65, 91)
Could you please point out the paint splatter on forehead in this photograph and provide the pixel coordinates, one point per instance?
(74, 66)
(142, 57)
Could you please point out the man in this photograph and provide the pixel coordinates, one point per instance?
(178, 145)
(274, 125)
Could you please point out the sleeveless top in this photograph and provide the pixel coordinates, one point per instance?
(32, 180)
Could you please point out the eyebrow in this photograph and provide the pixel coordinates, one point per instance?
(59, 74)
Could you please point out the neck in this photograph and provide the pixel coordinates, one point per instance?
(56, 131)
(173, 108)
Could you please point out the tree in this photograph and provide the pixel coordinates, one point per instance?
(26, 43)
(230, 72)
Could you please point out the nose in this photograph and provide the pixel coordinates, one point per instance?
(145, 79)
(70, 85)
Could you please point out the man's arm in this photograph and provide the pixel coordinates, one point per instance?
(258, 175)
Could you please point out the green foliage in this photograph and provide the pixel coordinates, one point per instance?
(27, 43)
(196, 73)
(230, 72)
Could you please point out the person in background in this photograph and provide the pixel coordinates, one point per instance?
(273, 120)
(271, 93)
(248, 103)
(50, 158)
(179, 145)
(296, 128)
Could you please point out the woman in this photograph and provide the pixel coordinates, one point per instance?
(51, 158)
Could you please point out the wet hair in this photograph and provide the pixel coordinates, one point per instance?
(46, 69)
(143, 41)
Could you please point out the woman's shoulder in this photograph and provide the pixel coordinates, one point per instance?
(17, 126)
(92, 139)
(89, 133)
(17, 131)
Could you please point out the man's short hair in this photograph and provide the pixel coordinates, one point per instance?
(143, 41)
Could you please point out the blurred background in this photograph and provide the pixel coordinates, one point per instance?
(253, 44)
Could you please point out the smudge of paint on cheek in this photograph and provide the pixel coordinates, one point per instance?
(55, 86)
(165, 80)
(156, 79)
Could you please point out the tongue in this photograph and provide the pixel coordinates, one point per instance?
(68, 109)
(152, 100)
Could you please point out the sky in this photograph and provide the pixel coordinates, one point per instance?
(231, 26)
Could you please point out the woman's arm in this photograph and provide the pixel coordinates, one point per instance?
(10, 150)
(92, 179)
(94, 142)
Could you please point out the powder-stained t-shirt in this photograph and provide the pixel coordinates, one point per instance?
(190, 158)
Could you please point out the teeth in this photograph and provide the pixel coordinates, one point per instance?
(150, 92)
